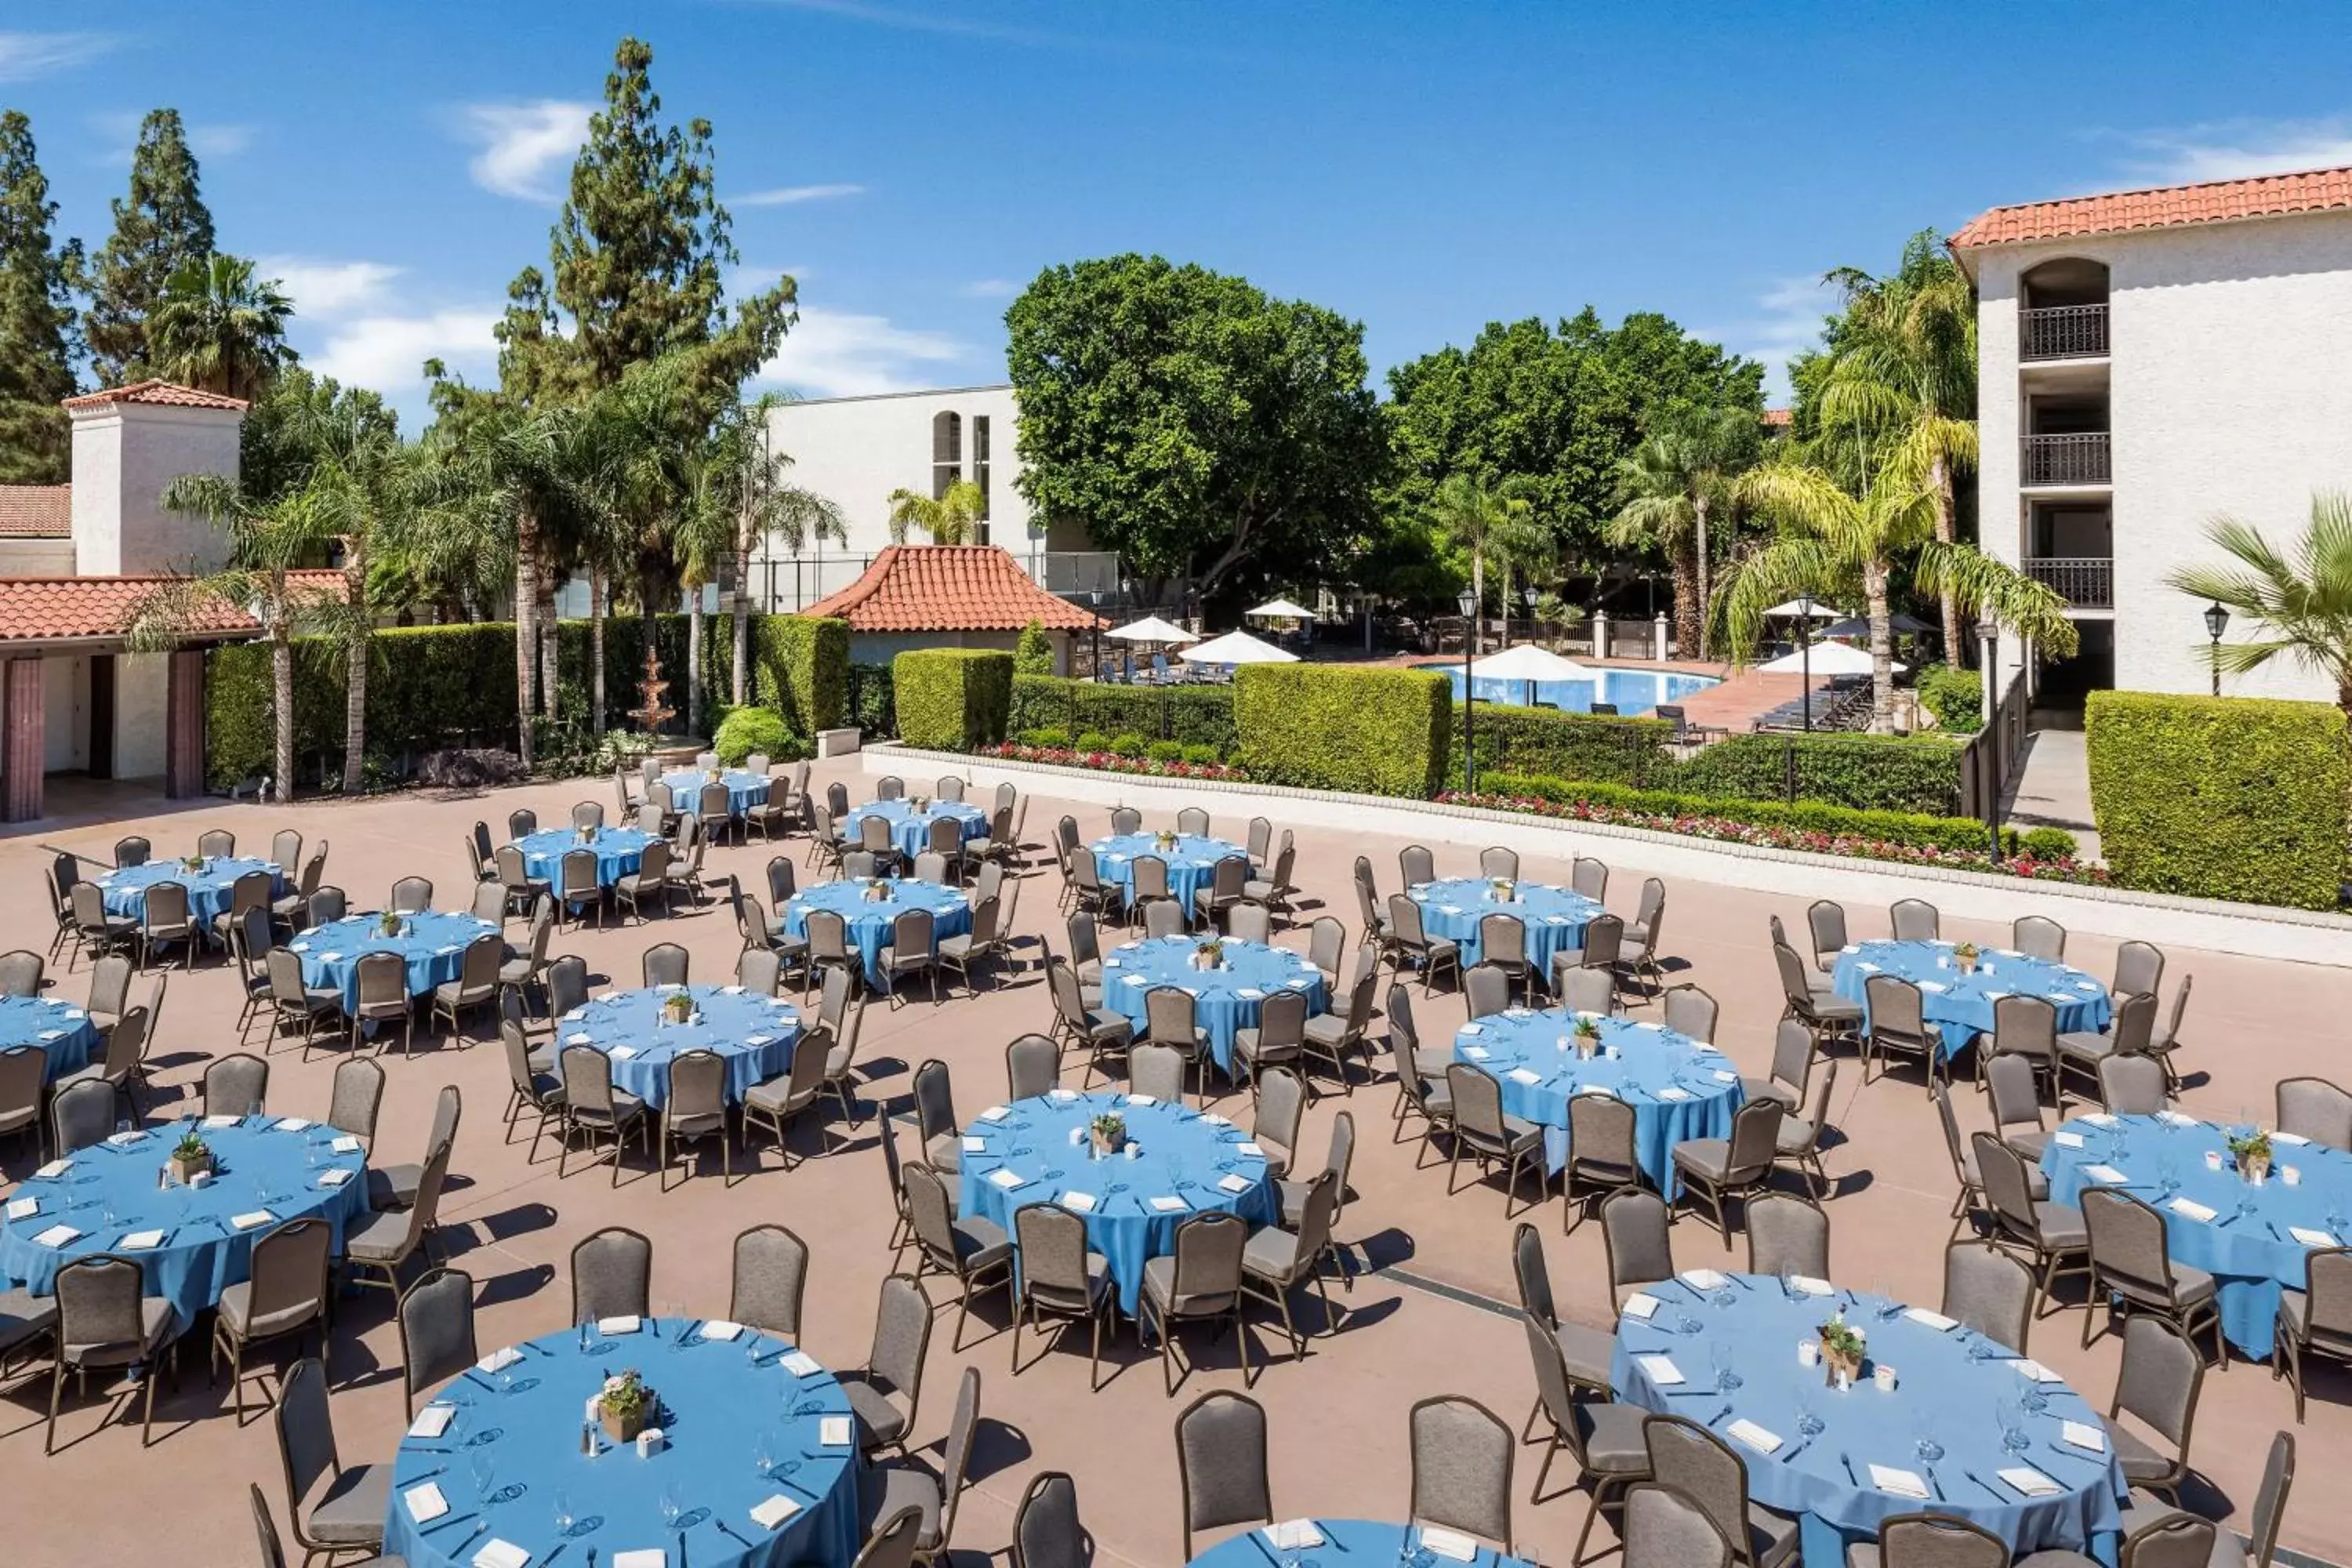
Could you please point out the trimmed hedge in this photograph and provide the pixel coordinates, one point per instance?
(1188, 715)
(953, 699)
(873, 707)
(1916, 830)
(1357, 727)
(747, 730)
(2221, 797)
(1511, 738)
(800, 668)
(1918, 775)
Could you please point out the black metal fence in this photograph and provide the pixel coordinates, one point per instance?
(1993, 754)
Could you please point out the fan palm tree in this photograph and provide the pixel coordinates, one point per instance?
(1670, 490)
(2299, 602)
(219, 329)
(745, 475)
(953, 518)
(1479, 519)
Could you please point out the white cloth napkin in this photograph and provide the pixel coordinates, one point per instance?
(425, 1500)
(627, 1323)
(216, 1122)
(2098, 1119)
(56, 1235)
(2028, 1367)
(1234, 1183)
(1759, 1438)
(834, 1431)
(1006, 1179)
(500, 1358)
(1673, 1092)
(345, 1145)
(252, 1219)
(2310, 1237)
(2067, 1140)
(1661, 1370)
(1936, 1320)
(1082, 1201)
(1902, 1483)
(124, 1139)
(1640, 1305)
(24, 1208)
(1702, 1278)
(2190, 1208)
(1524, 1076)
(1476, 1053)
(1449, 1544)
(1250, 1149)
(799, 1364)
(334, 1178)
(975, 1145)
(2106, 1173)
(996, 1114)
(622, 1052)
(1143, 1100)
(1167, 1203)
(1724, 1075)
(432, 1421)
(498, 1554)
(774, 1512)
(1472, 1029)
(2294, 1138)
(1294, 1535)
(54, 1169)
(720, 1329)
(1805, 1284)
(2030, 1481)
(2082, 1435)
(143, 1241)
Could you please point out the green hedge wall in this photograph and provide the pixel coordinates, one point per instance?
(873, 707)
(1915, 773)
(1916, 829)
(2221, 797)
(1371, 731)
(953, 699)
(800, 668)
(1509, 738)
(1188, 715)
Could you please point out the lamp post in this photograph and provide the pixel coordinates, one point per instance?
(1527, 597)
(1469, 603)
(1805, 655)
(2217, 621)
(1995, 767)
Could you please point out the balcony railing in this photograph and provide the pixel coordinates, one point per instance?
(2062, 332)
(2077, 460)
(2087, 582)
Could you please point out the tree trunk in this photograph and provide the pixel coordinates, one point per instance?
(649, 626)
(1690, 602)
(356, 667)
(526, 631)
(739, 685)
(1881, 649)
(551, 644)
(694, 658)
(1477, 602)
(281, 686)
(1940, 476)
(1694, 637)
(597, 651)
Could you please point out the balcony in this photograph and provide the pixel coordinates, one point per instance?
(2085, 582)
(2077, 460)
(2062, 332)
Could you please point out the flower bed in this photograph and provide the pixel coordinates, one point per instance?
(1112, 763)
(1777, 836)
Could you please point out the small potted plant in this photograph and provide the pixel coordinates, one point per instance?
(921, 805)
(1165, 839)
(191, 1157)
(1502, 889)
(1210, 954)
(1843, 1347)
(389, 923)
(677, 1007)
(2252, 1150)
(1964, 956)
(623, 1406)
(877, 891)
(1587, 1035)
(1108, 1133)
(585, 833)
(192, 863)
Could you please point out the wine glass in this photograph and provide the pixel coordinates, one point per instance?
(1924, 1446)
(672, 1505)
(485, 1471)
(1726, 1377)
(1809, 1420)
(2167, 1175)
(2011, 1416)
(564, 1518)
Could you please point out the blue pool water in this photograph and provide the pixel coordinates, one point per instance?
(1635, 691)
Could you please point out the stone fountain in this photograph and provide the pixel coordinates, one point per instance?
(652, 714)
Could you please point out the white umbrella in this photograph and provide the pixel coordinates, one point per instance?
(1237, 647)
(1526, 661)
(1280, 609)
(1151, 628)
(1788, 609)
(1824, 659)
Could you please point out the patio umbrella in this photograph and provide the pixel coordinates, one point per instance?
(1151, 628)
(1789, 609)
(1279, 609)
(1526, 661)
(1899, 623)
(1825, 658)
(1236, 648)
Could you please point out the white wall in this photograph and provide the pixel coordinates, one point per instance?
(37, 558)
(142, 695)
(881, 648)
(123, 455)
(65, 707)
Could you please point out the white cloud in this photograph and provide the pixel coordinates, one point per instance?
(219, 141)
(388, 352)
(839, 353)
(1787, 322)
(205, 139)
(989, 289)
(788, 195)
(2242, 149)
(523, 143)
(326, 288)
(24, 55)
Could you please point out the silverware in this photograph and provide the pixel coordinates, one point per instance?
(444, 1522)
(1792, 1452)
(1988, 1485)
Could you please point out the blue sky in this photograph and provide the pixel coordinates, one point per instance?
(1422, 168)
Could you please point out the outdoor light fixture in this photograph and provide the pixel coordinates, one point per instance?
(2217, 621)
(1469, 603)
(1988, 642)
(1805, 655)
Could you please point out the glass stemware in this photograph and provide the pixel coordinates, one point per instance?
(1726, 1377)
(1929, 1450)
(672, 1505)
(564, 1518)
(2011, 1416)
(1809, 1419)
(485, 1471)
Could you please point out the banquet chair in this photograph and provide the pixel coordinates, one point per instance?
(1047, 1529)
(650, 881)
(1487, 988)
(1792, 1068)
(593, 1107)
(1694, 1461)
(110, 987)
(333, 1509)
(2157, 1386)
(394, 1187)
(291, 1002)
(1692, 1013)
(1088, 892)
(2132, 1085)
(1227, 879)
(664, 964)
(944, 838)
(1032, 1066)
(1282, 1257)
(1060, 1277)
(1989, 1291)
(485, 853)
(1825, 923)
(1338, 1159)
(1193, 822)
(913, 951)
(1125, 820)
(1585, 1353)
(1483, 1130)
(695, 1108)
(2026, 1027)
(2050, 1236)
(1637, 960)
(521, 823)
(1094, 1030)
(1163, 918)
(22, 1071)
(1327, 944)
(875, 841)
(760, 971)
(714, 809)
(105, 1323)
(2316, 1320)
(1718, 1169)
(384, 1242)
(1420, 1083)
(1368, 904)
(2080, 1052)
(826, 842)
(890, 787)
(1281, 1103)
(1971, 1200)
(523, 890)
(132, 851)
(2016, 1108)
(1250, 920)
(252, 891)
(2038, 936)
(1788, 1234)
(489, 902)
(1798, 1144)
(1462, 1457)
(2140, 969)
(2162, 1043)
(930, 867)
(1593, 991)
(1603, 1155)
(530, 1087)
(1416, 865)
(356, 1097)
(839, 1023)
(477, 985)
(1915, 920)
(567, 985)
(284, 1293)
(1279, 1039)
(1588, 876)
(1634, 1241)
(891, 1496)
(1498, 860)
(325, 906)
(973, 1252)
(381, 984)
(1604, 945)
(1258, 841)
(893, 1369)
(166, 919)
(1199, 1281)
(1170, 1018)
(2133, 1273)
(1331, 1037)
(1661, 1528)
(827, 934)
(1925, 1540)
(436, 1330)
(1503, 944)
(1898, 1025)
(771, 1279)
(685, 852)
(2315, 1109)
(117, 1072)
(412, 896)
(235, 1085)
(936, 1127)
(612, 1275)
(1828, 1014)
(1085, 951)
(1426, 954)
(577, 888)
(773, 1103)
(1157, 1070)
(1221, 1464)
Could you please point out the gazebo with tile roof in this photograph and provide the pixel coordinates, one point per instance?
(949, 595)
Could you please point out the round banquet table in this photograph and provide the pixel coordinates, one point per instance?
(512, 1448)
(910, 829)
(753, 1034)
(1961, 1005)
(1187, 1163)
(617, 850)
(1555, 916)
(1376, 1543)
(431, 944)
(1224, 999)
(124, 889)
(744, 790)
(61, 1030)
(869, 920)
(1679, 1089)
(1944, 1392)
(193, 1250)
(2251, 1239)
(1191, 865)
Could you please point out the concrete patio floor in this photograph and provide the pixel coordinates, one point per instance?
(1431, 1315)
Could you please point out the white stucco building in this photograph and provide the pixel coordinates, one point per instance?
(2149, 361)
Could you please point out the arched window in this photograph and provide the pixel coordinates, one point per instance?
(947, 452)
(2063, 310)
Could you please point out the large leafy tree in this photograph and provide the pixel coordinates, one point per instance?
(1190, 422)
(38, 336)
(1483, 523)
(1674, 489)
(743, 473)
(2299, 599)
(160, 227)
(220, 328)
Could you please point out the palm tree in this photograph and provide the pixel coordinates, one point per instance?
(219, 330)
(953, 518)
(1477, 518)
(1831, 543)
(2300, 603)
(1671, 488)
(743, 477)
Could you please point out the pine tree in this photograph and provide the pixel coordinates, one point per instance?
(160, 227)
(38, 334)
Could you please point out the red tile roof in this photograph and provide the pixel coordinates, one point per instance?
(2169, 206)
(950, 588)
(1777, 418)
(35, 511)
(169, 394)
(65, 609)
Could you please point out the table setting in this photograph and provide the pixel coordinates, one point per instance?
(430, 943)
(910, 820)
(208, 878)
(1329, 1542)
(744, 790)
(642, 1031)
(1192, 862)
(871, 905)
(1958, 985)
(61, 1030)
(617, 851)
(1555, 917)
(1228, 980)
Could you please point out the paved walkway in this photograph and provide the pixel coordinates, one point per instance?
(2052, 789)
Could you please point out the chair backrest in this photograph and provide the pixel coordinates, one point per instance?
(2132, 1085)
(305, 1426)
(1989, 1291)
(132, 851)
(437, 1328)
(2170, 1039)
(1499, 860)
(1125, 820)
(1259, 841)
(1692, 1013)
(1047, 1529)
(902, 1337)
(1661, 1528)
(288, 1282)
(265, 1529)
(235, 1085)
(2038, 936)
(665, 963)
(1168, 1012)
(1032, 1065)
(783, 882)
(1052, 1241)
(577, 871)
(1281, 1103)
(1915, 920)
(2127, 1240)
(2140, 969)
(1588, 876)
(612, 1275)
(1157, 1070)
(1651, 912)
(1794, 990)
(380, 980)
(490, 901)
(2172, 1540)
(1604, 940)
(1694, 1461)
(771, 1278)
(759, 970)
(521, 823)
(20, 974)
(1416, 865)
(2270, 1502)
(1208, 1256)
(2313, 1108)
(698, 1085)
(1792, 1055)
(1897, 1011)
(1825, 921)
(893, 1542)
(1937, 1541)
(1221, 1463)
(567, 983)
(1192, 820)
(2027, 1026)
(1588, 991)
(944, 838)
(2005, 1186)
(1501, 939)
(1487, 988)
(1250, 921)
(1534, 1276)
(2161, 1376)
(912, 936)
(934, 1101)
(1787, 1235)
(891, 787)
(1163, 918)
(2016, 1101)
(1755, 1137)
(357, 1095)
(1602, 1131)
(1478, 1099)
(412, 895)
(2135, 1024)
(1462, 1467)
(166, 906)
(1633, 1236)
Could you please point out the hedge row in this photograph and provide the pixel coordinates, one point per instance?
(800, 668)
(1912, 773)
(873, 707)
(953, 699)
(2221, 797)
(1344, 727)
(1915, 829)
(1511, 738)
(1188, 715)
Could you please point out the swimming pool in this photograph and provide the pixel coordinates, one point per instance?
(1635, 691)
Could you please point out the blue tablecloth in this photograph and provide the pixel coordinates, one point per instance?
(617, 851)
(755, 1034)
(1555, 916)
(432, 945)
(720, 1411)
(1183, 1155)
(62, 1029)
(1224, 999)
(1962, 1008)
(261, 1165)
(1650, 1058)
(869, 919)
(1826, 1480)
(1349, 1540)
(1191, 865)
(910, 829)
(744, 790)
(126, 889)
(2248, 1245)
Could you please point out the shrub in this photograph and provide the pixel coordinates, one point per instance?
(747, 730)
(1380, 731)
(2047, 844)
(1917, 774)
(1033, 654)
(2221, 797)
(1167, 752)
(1511, 738)
(1916, 830)
(1201, 756)
(1955, 697)
(1193, 715)
(800, 668)
(873, 704)
(1091, 740)
(1046, 739)
(1127, 746)
(953, 699)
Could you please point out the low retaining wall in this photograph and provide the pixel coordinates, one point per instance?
(2255, 931)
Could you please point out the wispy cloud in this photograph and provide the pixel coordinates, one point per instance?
(388, 352)
(1786, 321)
(840, 354)
(2240, 148)
(25, 56)
(521, 143)
(920, 21)
(327, 289)
(119, 131)
(789, 196)
(989, 289)
(219, 141)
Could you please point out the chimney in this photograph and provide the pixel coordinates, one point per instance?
(130, 442)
